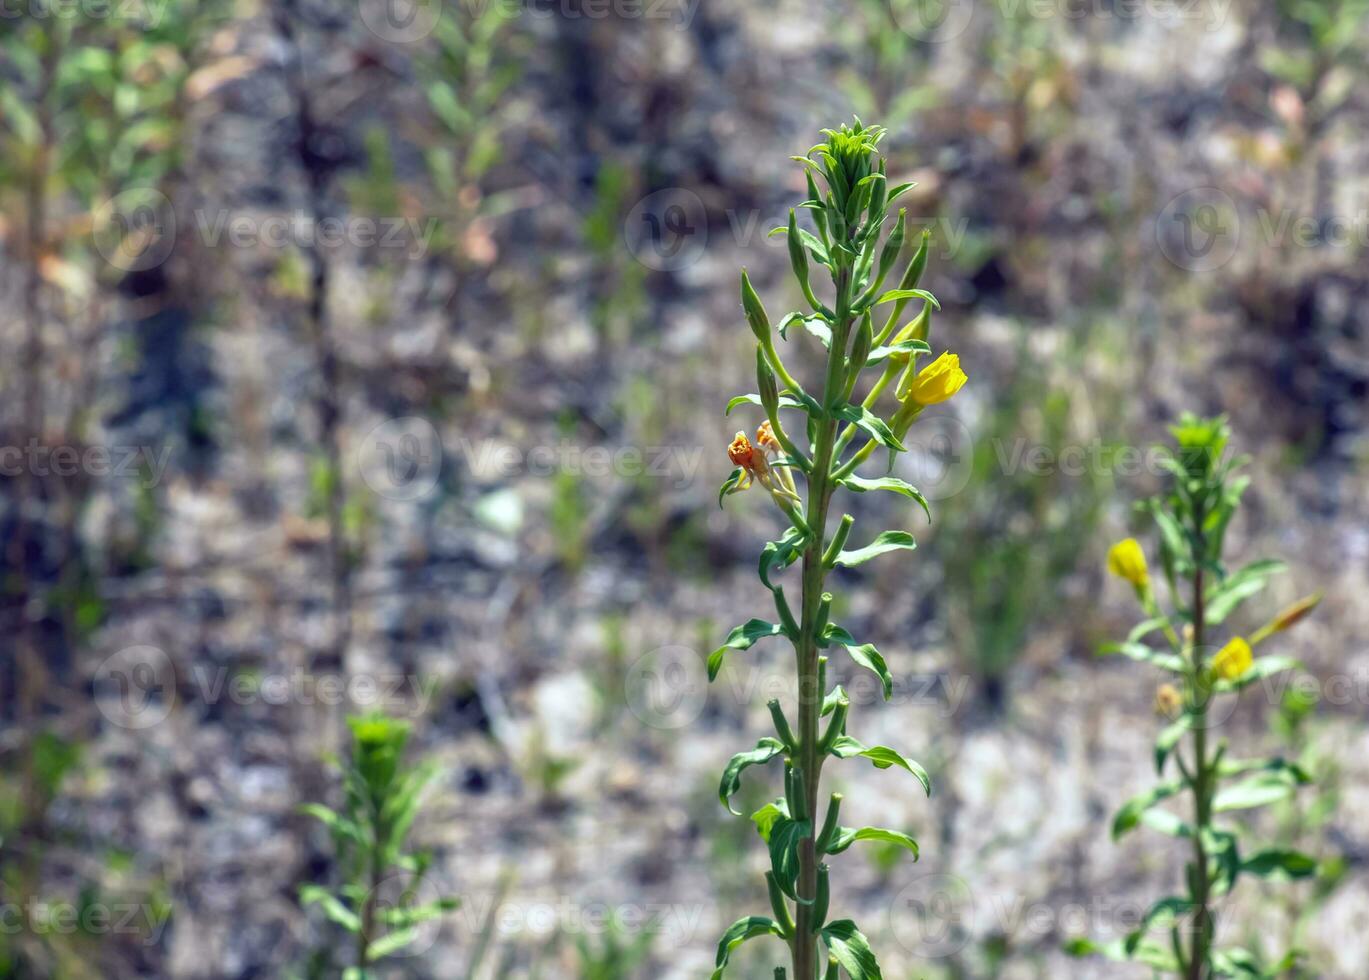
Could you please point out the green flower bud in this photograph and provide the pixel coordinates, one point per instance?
(755, 312)
(765, 384)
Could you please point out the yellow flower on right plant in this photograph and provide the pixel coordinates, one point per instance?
(1233, 660)
(936, 382)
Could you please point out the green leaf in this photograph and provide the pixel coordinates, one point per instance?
(730, 484)
(909, 347)
(332, 906)
(846, 836)
(765, 750)
(1256, 791)
(785, 402)
(739, 932)
(783, 841)
(891, 483)
(1226, 595)
(411, 915)
(1168, 823)
(391, 942)
(767, 816)
(1130, 813)
(776, 556)
(852, 950)
(742, 637)
(881, 757)
(837, 693)
(871, 424)
(864, 654)
(886, 542)
(895, 294)
(1279, 863)
(1145, 654)
(1237, 767)
(815, 323)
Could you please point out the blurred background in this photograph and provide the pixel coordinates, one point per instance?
(374, 357)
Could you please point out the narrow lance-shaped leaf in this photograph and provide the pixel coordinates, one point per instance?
(886, 542)
(882, 757)
(742, 637)
(766, 749)
(739, 932)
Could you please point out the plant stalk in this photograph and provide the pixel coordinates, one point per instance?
(805, 949)
(1202, 921)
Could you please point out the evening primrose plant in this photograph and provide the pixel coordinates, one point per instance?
(800, 465)
(1179, 637)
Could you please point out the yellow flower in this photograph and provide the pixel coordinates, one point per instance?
(935, 383)
(1168, 701)
(1233, 660)
(1127, 560)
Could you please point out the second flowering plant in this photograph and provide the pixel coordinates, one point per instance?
(1203, 678)
(871, 391)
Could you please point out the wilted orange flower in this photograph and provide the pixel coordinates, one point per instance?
(747, 456)
(1168, 701)
(765, 438)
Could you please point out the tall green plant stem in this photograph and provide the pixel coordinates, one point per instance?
(805, 948)
(1202, 921)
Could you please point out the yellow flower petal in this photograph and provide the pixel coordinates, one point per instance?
(936, 382)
